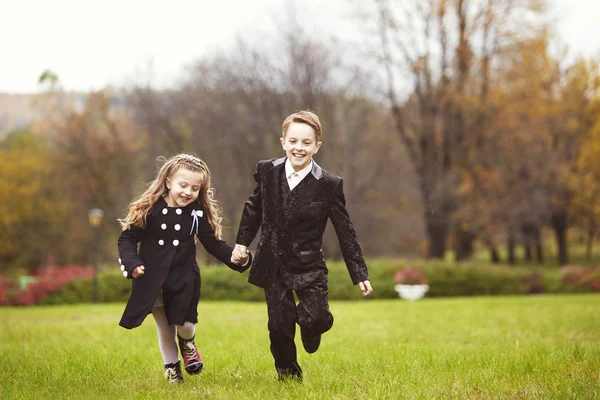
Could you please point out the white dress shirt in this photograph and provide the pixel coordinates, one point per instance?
(293, 177)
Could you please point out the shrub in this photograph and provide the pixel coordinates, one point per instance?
(49, 279)
(591, 278)
(5, 286)
(579, 278)
(533, 283)
(410, 276)
(444, 280)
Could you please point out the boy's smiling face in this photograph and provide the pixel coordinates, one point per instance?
(300, 144)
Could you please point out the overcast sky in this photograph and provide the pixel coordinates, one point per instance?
(91, 44)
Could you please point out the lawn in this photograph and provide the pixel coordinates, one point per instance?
(481, 348)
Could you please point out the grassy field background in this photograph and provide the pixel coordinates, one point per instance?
(482, 348)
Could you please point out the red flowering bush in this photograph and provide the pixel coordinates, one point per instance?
(5, 286)
(410, 276)
(591, 278)
(570, 275)
(50, 279)
(581, 277)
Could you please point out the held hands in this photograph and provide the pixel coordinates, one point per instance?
(366, 288)
(138, 271)
(240, 255)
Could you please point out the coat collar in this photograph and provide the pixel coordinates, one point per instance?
(159, 205)
(316, 171)
(162, 203)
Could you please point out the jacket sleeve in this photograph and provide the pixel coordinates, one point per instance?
(128, 250)
(252, 214)
(351, 250)
(218, 248)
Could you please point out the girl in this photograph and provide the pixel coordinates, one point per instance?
(177, 207)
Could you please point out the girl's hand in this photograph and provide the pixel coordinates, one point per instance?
(239, 255)
(365, 287)
(243, 257)
(138, 271)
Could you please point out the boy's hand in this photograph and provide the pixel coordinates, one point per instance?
(366, 288)
(239, 255)
(138, 271)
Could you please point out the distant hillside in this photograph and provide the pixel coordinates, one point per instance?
(20, 110)
(16, 111)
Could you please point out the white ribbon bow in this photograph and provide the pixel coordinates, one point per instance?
(196, 214)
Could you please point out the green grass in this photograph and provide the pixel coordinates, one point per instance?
(482, 348)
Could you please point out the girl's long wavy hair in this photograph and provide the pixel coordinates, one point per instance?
(141, 206)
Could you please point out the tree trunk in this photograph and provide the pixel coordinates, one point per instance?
(539, 250)
(511, 249)
(437, 232)
(527, 249)
(533, 242)
(559, 224)
(589, 243)
(494, 256)
(533, 236)
(463, 246)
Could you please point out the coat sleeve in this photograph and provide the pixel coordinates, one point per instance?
(218, 248)
(351, 250)
(252, 213)
(128, 249)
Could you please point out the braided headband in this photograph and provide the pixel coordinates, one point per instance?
(193, 160)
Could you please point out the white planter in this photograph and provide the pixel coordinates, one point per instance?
(411, 292)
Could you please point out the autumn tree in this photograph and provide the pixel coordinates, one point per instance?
(34, 208)
(447, 50)
(582, 83)
(232, 106)
(95, 146)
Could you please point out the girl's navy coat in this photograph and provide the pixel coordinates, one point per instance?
(168, 253)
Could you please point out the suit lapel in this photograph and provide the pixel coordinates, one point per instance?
(274, 188)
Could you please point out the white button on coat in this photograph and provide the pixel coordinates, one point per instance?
(122, 268)
(161, 242)
(165, 211)
(119, 261)
(175, 242)
(125, 274)
(178, 211)
(177, 227)
(163, 226)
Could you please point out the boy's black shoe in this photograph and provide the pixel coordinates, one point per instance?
(191, 356)
(290, 374)
(310, 343)
(173, 373)
(290, 378)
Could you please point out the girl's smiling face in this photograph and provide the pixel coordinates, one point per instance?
(184, 186)
(300, 144)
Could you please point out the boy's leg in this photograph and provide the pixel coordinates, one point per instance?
(191, 356)
(314, 316)
(281, 308)
(168, 346)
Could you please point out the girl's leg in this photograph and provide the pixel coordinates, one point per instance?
(186, 331)
(166, 336)
(191, 356)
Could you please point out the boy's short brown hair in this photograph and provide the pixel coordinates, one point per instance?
(304, 117)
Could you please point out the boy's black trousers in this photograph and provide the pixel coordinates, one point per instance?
(312, 315)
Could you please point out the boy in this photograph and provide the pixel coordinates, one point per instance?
(291, 203)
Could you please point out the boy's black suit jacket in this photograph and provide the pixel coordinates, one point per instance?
(292, 225)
